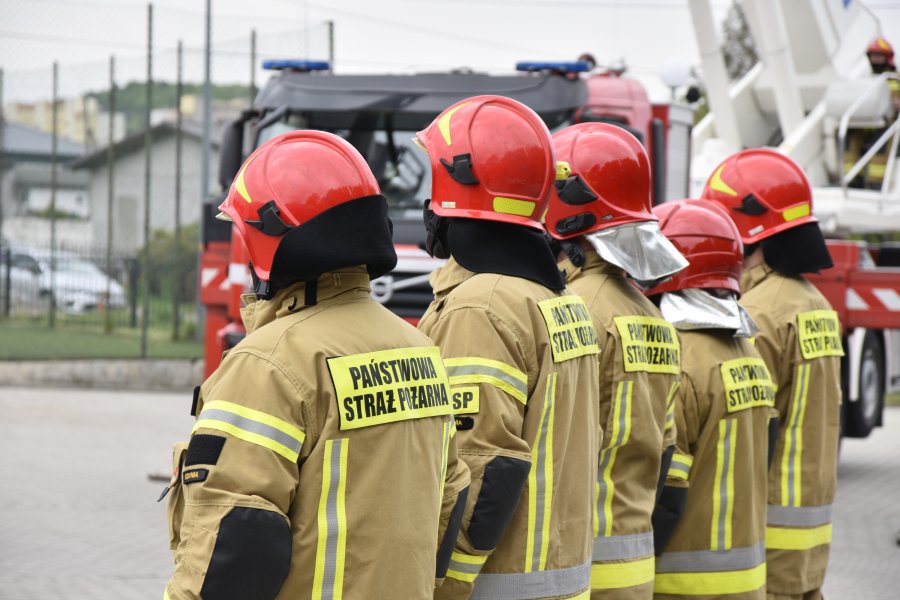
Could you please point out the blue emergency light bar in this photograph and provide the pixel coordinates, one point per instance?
(580, 66)
(296, 65)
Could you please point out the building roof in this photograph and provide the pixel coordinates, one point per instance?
(135, 142)
(23, 142)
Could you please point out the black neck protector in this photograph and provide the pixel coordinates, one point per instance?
(502, 248)
(357, 232)
(797, 250)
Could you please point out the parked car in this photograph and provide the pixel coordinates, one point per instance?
(78, 284)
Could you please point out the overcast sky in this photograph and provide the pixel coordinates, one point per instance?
(371, 36)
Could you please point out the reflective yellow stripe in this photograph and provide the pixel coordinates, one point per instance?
(678, 472)
(792, 452)
(252, 426)
(585, 595)
(621, 431)
(723, 487)
(789, 538)
(465, 567)
(328, 581)
(472, 369)
(444, 123)
(615, 576)
(540, 485)
(681, 466)
(448, 427)
(596, 505)
(166, 594)
(796, 212)
(711, 584)
(670, 404)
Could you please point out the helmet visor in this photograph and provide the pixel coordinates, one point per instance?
(640, 249)
(693, 308)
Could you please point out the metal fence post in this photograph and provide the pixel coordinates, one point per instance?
(110, 190)
(177, 267)
(252, 92)
(53, 176)
(148, 138)
(5, 254)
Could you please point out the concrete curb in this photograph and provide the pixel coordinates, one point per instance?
(120, 374)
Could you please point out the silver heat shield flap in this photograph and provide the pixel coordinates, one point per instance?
(698, 309)
(640, 249)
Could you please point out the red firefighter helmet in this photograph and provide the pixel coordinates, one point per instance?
(288, 181)
(492, 159)
(708, 238)
(881, 46)
(763, 191)
(608, 182)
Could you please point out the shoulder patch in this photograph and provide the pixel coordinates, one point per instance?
(389, 386)
(747, 384)
(466, 400)
(649, 344)
(194, 476)
(570, 327)
(819, 334)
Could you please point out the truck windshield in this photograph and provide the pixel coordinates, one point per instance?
(399, 166)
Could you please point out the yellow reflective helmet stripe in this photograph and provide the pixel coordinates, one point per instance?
(616, 576)
(790, 538)
(328, 580)
(711, 583)
(472, 369)
(239, 184)
(513, 206)
(792, 453)
(796, 212)
(719, 185)
(540, 485)
(444, 123)
(252, 426)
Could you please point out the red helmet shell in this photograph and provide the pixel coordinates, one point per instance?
(613, 166)
(708, 239)
(305, 173)
(491, 158)
(881, 46)
(763, 191)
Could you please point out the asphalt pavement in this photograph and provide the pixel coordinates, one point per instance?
(79, 518)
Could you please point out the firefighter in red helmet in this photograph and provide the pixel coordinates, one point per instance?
(601, 216)
(298, 475)
(521, 354)
(710, 523)
(769, 198)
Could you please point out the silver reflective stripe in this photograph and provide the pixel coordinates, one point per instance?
(705, 561)
(252, 426)
(540, 475)
(538, 584)
(462, 567)
(799, 516)
(623, 547)
(723, 482)
(491, 372)
(331, 518)
(607, 455)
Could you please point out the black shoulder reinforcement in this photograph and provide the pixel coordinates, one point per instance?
(664, 465)
(251, 558)
(445, 548)
(774, 430)
(666, 516)
(204, 449)
(501, 486)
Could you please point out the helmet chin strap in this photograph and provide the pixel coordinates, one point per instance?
(436, 242)
(263, 289)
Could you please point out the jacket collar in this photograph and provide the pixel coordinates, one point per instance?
(290, 300)
(444, 279)
(755, 275)
(593, 265)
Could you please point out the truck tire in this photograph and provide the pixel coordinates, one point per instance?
(865, 414)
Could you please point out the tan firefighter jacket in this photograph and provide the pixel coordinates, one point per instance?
(323, 461)
(522, 362)
(800, 340)
(722, 411)
(639, 370)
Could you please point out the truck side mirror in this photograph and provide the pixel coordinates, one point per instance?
(231, 153)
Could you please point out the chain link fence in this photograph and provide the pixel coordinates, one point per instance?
(103, 173)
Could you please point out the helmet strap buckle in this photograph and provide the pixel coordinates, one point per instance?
(270, 222)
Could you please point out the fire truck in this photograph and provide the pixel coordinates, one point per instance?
(379, 115)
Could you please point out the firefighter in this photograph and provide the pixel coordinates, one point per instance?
(770, 200)
(710, 523)
(601, 212)
(322, 463)
(521, 354)
(881, 59)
